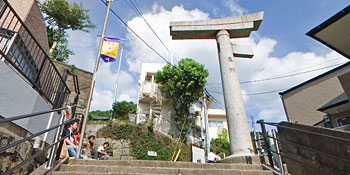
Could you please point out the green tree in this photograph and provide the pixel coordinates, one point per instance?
(99, 113)
(182, 86)
(221, 143)
(61, 16)
(121, 109)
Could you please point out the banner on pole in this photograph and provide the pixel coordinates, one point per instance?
(109, 49)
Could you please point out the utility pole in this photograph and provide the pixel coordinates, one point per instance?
(93, 80)
(207, 142)
(202, 117)
(117, 82)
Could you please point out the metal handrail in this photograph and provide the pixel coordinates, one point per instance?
(269, 150)
(45, 74)
(32, 157)
(56, 140)
(35, 40)
(34, 114)
(315, 133)
(32, 136)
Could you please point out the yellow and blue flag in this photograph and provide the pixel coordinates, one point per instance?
(109, 49)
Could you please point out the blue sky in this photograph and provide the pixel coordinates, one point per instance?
(280, 46)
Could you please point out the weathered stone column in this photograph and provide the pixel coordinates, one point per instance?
(222, 30)
(240, 142)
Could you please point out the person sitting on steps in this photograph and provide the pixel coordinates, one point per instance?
(102, 153)
(93, 151)
(70, 140)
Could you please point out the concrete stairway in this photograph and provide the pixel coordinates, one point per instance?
(142, 167)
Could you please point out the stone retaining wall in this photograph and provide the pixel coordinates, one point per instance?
(326, 152)
(121, 148)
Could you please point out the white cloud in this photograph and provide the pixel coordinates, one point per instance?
(271, 114)
(102, 100)
(106, 76)
(235, 9)
(267, 106)
(262, 66)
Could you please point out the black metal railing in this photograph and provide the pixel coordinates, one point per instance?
(20, 49)
(273, 143)
(58, 127)
(271, 147)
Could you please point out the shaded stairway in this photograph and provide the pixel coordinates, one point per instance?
(75, 167)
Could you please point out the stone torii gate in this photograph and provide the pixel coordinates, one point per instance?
(222, 30)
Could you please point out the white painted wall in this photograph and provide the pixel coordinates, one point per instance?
(17, 97)
(216, 115)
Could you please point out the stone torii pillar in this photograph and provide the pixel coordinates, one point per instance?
(223, 30)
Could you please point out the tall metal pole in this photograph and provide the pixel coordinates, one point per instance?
(202, 128)
(82, 135)
(118, 75)
(207, 142)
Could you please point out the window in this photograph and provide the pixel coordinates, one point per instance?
(216, 123)
(21, 57)
(343, 121)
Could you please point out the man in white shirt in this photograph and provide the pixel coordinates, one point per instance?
(212, 157)
(102, 153)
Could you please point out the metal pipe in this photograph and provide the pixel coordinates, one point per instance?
(47, 127)
(278, 151)
(32, 114)
(207, 143)
(53, 149)
(82, 134)
(30, 137)
(263, 129)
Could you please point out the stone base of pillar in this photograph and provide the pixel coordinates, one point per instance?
(248, 159)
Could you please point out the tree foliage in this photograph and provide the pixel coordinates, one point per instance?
(61, 16)
(182, 86)
(121, 109)
(221, 143)
(142, 141)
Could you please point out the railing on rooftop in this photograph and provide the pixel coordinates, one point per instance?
(20, 49)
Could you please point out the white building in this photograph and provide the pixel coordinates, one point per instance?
(150, 101)
(217, 121)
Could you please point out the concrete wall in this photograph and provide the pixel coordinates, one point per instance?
(163, 124)
(301, 104)
(8, 134)
(17, 98)
(214, 131)
(84, 79)
(314, 154)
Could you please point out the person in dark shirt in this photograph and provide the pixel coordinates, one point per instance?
(93, 151)
(70, 140)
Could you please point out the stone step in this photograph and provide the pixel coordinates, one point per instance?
(110, 173)
(157, 170)
(169, 164)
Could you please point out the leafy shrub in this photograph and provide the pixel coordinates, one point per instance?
(142, 141)
(221, 143)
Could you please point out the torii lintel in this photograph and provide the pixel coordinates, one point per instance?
(238, 27)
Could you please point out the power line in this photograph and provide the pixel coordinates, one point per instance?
(309, 66)
(284, 76)
(290, 75)
(154, 32)
(135, 33)
(256, 93)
